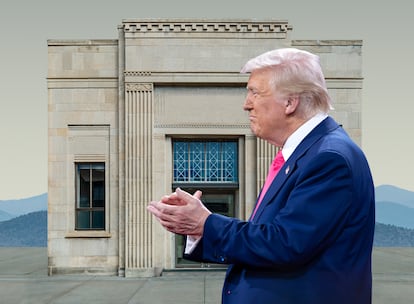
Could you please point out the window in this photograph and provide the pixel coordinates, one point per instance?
(205, 161)
(90, 196)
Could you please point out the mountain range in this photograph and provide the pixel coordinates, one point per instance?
(28, 230)
(13, 208)
(23, 222)
(388, 193)
(394, 206)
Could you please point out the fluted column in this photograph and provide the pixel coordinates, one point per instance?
(138, 178)
(265, 154)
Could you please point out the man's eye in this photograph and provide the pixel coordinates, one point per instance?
(254, 93)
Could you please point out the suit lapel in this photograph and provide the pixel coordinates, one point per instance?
(275, 187)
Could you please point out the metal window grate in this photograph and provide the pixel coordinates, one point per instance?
(205, 161)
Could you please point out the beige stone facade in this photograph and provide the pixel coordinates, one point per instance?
(122, 103)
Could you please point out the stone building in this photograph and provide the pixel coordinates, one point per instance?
(132, 118)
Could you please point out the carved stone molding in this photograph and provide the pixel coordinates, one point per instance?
(137, 73)
(141, 87)
(202, 126)
(205, 26)
(184, 77)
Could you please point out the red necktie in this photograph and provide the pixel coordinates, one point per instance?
(274, 168)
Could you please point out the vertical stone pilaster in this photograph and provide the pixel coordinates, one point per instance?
(121, 152)
(265, 154)
(138, 178)
(250, 171)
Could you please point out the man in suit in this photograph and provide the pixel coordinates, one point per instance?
(309, 239)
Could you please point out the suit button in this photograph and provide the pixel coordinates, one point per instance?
(228, 292)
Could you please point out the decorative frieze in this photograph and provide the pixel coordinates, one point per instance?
(133, 26)
(136, 73)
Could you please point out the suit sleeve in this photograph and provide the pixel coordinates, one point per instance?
(314, 210)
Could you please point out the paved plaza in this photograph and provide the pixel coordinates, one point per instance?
(24, 280)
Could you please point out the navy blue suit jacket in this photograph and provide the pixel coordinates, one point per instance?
(311, 239)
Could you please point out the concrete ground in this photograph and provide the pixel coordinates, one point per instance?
(24, 279)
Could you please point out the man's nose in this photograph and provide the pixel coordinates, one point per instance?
(247, 103)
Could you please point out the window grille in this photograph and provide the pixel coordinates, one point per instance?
(205, 161)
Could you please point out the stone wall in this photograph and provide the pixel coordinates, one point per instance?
(83, 126)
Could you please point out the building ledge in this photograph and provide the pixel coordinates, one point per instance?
(88, 234)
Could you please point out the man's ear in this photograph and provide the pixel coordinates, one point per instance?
(291, 104)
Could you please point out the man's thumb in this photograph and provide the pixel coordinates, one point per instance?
(183, 194)
(198, 194)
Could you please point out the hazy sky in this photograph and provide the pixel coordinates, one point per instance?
(388, 62)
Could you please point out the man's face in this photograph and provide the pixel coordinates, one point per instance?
(266, 110)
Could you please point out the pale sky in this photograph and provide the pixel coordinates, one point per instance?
(388, 62)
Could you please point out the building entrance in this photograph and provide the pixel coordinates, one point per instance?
(217, 201)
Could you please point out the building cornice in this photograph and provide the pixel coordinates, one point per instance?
(280, 28)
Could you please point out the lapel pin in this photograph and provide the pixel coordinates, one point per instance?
(287, 170)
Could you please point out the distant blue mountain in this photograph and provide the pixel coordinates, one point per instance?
(394, 206)
(388, 193)
(29, 230)
(394, 214)
(393, 236)
(23, 206)
(4, 216)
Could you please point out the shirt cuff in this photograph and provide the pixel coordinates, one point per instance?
(190, 244)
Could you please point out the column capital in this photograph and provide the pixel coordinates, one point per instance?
(139, 87)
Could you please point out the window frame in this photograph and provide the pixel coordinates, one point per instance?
(91, 209)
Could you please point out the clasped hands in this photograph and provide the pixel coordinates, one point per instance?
(181, 213)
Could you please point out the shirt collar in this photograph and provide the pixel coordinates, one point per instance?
(296, 137)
